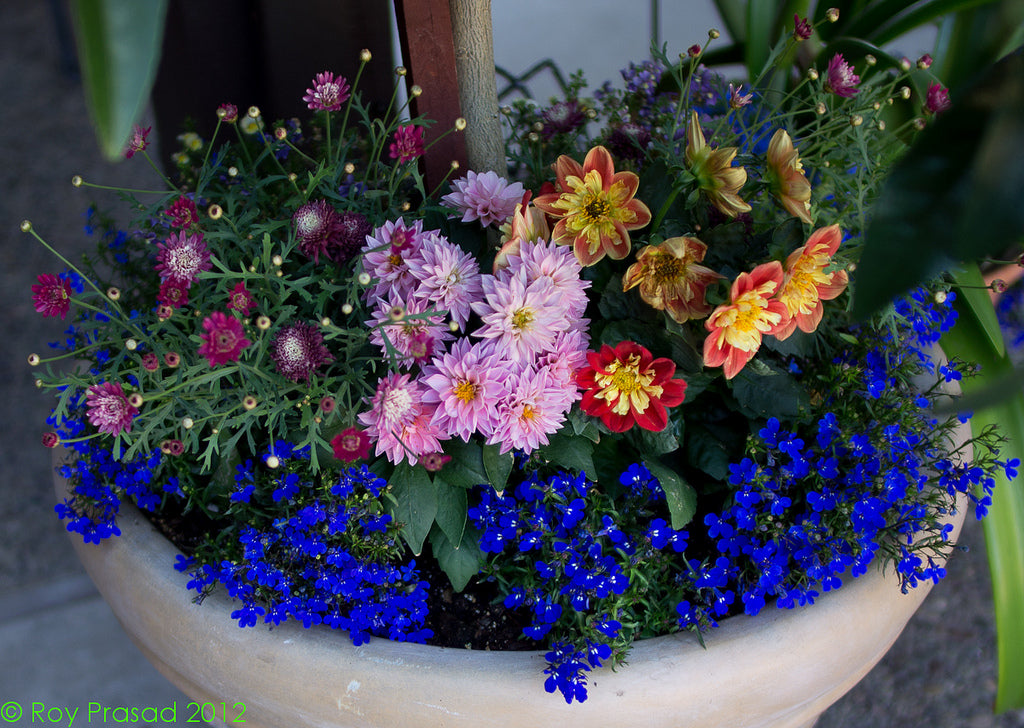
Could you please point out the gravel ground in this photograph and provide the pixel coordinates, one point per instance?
(940, 674)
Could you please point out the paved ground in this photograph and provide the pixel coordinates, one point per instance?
(59, 646)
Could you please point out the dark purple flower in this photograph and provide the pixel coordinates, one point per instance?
(298, 351)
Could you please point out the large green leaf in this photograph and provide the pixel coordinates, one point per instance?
(1004, 525)
(415, 497)
(955, 196)
(118, 49)
(680, 495)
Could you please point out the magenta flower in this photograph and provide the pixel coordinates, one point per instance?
(109, 409)
(351, 231)
(173, 294)
(181, 258)
(224, 339)
(841, 80)
(802, 28)
(316, 228)
(407, 144)
(562, 118)
(298, 351)
(328, 93)
(138, 141)
(351, 444)
(485, 197)
(228, 113)
(937, 99)
(241, 300)
(448, 277)
(51, 296)
(466, 384)
(182, 213)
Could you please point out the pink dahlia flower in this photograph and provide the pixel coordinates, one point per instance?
(399, 421)
(466, 385)
(535, 408)
(109, 409)
(522, 318)
(406, 331)
(448, 277)
(385, 257)
(223, 339)
(486, 197)
(542, 260)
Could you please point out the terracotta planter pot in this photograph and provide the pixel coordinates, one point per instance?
(782, 668)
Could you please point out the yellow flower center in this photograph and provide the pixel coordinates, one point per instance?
(800, 293)
(743, 323)
(522, 318)
(465, 391)
(666, 269)
(529, 413)
(625, 384)
(595, 208)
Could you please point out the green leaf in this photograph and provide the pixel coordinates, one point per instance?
(955, 196)
(119, 45)
(761, 16)
(680, 495)
(498, 466)
(466, 468)
(573, 453)
(415, 504)
(1004, 525)
(707, 449)
(972, 290)
(460, 563)
(764, 391)
(452, 505)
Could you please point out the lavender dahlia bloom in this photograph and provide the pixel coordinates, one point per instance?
(486, 197)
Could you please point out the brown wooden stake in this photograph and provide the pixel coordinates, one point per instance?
(428, 51)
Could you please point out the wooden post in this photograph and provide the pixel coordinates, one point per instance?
(478, 90)
(449, 53)
(428, 51)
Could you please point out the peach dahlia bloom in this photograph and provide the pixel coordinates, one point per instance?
(807, 283)
(736, 329)
(594, 206)
(786, 176)
(671, 278)
(716, 176)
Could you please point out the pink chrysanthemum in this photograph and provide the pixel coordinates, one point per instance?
(399, 422)
(486, 197)
(568, 354)
(181, 258)
(385, 257)
(316, 229)
(351, 444)
(534, 409)
(540, 260)
(522, 318)
(138, 141)
(223, 340)
(466, 385)
(407, 144)
(404, 332)
(173, 293)
(183, 213)
(448, 277)
(109, 409)
(241, 300)
(51, 296)
(328, 92)
(298, 351)
(841, 80)
(937, 99)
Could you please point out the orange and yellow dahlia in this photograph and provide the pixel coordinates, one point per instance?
(786, 178)
(735, 329)
(671, 278)
(594, 206)
(627, 385)
(716, 176)
(807, 283)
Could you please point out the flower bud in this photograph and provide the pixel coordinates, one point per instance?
(401, 70)
(113, 294)
(188, 423)
(350, 168)
(365, 55)
(249, 402)
(415, 91)
(273, 461)
(856, 120)
(254, 112)
(346, 308)
(460, 124)
(812, 73)
(262, 323)
(26, 226)
(214, 211)
(76, 181)
(713, 34)
(832, 14)
(870, 59)
(33, 360)
(135, 399)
